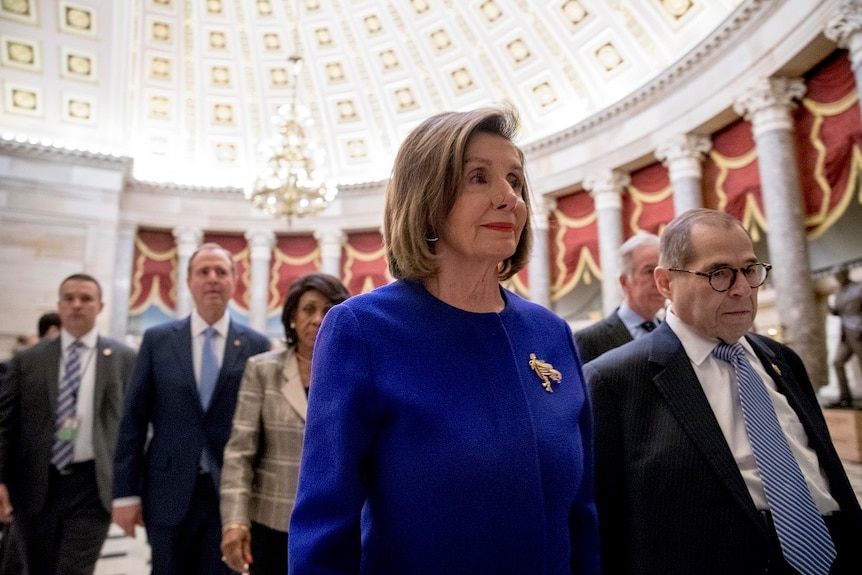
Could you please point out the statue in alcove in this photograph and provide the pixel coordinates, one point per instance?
(848, 306)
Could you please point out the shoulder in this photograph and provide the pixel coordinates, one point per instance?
(602, 325)
(163, 329)
(270, 358)
(252, 334)
(531, 310)
(41, 349)
(116, 346)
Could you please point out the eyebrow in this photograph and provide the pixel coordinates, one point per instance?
(487, 162)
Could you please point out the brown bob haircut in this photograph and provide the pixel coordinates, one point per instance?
(424, 185)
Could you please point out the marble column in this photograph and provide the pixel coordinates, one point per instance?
(607, 188)
(539, 264)
(188, 240)
(768, 105)
(682, 156)
(845, 29)
(331, 240)
(123, 256)
(260, 244)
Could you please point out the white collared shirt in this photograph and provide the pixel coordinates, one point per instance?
(85, 404)
(719, 384)
(198, 326)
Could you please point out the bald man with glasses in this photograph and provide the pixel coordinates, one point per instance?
(712, 454)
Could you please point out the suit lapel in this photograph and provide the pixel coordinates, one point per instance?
(104, 361)
(232, 347)
(53, 353)
(291, 385)
(683, 394)
(182, 345)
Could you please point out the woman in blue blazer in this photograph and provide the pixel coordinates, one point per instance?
(448, 428)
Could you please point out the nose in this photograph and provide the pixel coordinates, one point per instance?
(506, 198)
(740, 286)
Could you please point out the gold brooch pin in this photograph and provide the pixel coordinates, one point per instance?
(545, 371)
(775, 367)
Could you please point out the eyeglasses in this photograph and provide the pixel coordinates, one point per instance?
(722, 279)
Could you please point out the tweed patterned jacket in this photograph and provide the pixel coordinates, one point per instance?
(261, 459)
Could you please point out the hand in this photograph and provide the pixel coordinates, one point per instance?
(127, 517)
(5, 505)
(236, 549)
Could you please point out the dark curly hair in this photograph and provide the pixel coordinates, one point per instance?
(331, 288)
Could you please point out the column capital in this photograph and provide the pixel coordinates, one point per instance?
(769, 102)
(543, 207)
(846, 23)
(682, 155)
(264, 239)
(845, 29)
(607, 188)
(188, 239)
(683, 147)
(330, 236)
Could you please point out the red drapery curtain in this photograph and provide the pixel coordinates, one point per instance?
(363, 262)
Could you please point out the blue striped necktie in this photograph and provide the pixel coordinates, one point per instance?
(802, 533)
(67, 399)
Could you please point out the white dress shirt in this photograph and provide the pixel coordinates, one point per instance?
(719, 384)
(85, 404)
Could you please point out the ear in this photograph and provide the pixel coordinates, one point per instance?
(663, 281)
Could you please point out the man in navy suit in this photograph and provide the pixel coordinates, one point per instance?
(169, 482)
(636, 316)
(679, 488)
(59, 414)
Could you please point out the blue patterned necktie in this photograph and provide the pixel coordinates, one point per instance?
(802, 533)
(209, 368)
(648, 326)
(67, 398)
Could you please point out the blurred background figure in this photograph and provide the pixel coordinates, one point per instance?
(49, 325)
(636, 315)
(261, 459)
(848, 306)
(448, 426)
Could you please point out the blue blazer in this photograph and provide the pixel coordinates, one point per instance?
(670, 496)
(162, 470)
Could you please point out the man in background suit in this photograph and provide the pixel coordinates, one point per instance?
(636, 316)
(170, 482)
(56, 464)
(680, 487)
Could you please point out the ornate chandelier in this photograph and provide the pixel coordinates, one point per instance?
(289, 184)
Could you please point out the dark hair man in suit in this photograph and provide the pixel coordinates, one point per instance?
(184, 388)
(636, 316)
(684, 480)
(59, 414)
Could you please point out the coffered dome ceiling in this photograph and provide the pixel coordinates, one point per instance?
(187, 87)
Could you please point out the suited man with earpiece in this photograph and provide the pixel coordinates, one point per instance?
(59, 414)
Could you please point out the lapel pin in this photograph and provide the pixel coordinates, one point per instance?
(106, 352)
(545, 371)
(775, 367)
(236, 343)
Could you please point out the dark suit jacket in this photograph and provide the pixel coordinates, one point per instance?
(670, 496)
(164, 394)
(604, 335)
(28, 403)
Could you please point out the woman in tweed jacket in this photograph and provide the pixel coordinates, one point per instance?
(261, 459)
